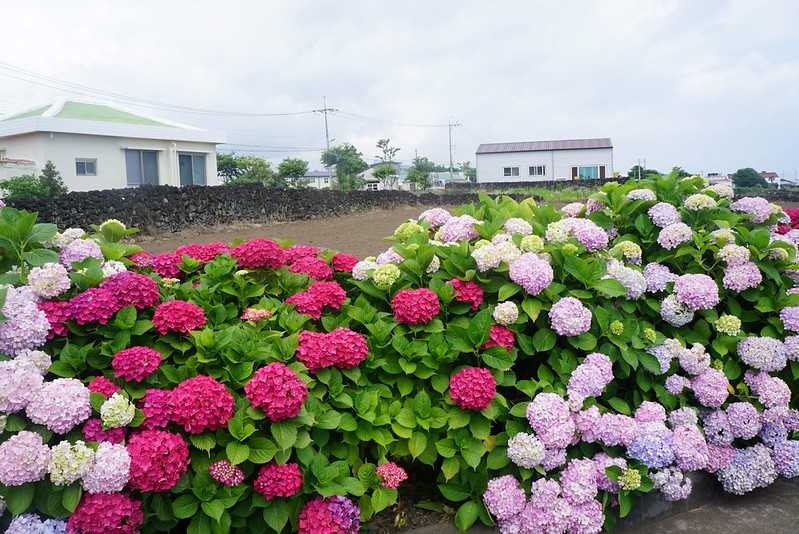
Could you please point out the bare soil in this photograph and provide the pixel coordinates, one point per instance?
(361, 234)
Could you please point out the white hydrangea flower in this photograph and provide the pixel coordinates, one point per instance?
(733, 254)
(516, 225)
(69, 462)
(487, 257)
(112, 267)
(699, 201)
(526, 450)
(117, 411)
(506, 313)
(722, 190)
(508, 252)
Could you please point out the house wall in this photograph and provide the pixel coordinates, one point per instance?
(558, 164)
(63, 148)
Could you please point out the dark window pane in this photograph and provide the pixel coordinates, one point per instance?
(80, 168)
(198, 163)
(133, 167)
(149, 167)
(184, 167)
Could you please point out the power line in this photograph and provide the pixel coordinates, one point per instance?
(76, 88)
(389, 121)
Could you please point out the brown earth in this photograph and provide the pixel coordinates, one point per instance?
(361, 234)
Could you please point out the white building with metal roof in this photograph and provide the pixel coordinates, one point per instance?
(97, 145)
(537, 161)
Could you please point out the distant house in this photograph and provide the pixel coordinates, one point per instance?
(318, 179)
(718, 178)
(372, 183)
(439, 180)
(571, 159)
(103, 146)
(770, 176)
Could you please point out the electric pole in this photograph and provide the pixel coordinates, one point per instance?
(451, 126)
(325, 110)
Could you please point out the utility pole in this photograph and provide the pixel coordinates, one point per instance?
(325, 110)
(451, 126)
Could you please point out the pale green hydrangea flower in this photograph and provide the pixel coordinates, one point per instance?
(69, 462)
(385, 275)
(117, 411)
(728, 324)
(407, 230)
(617, 328)
(630, 479)
(532, 243)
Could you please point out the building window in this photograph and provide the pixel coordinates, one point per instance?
(538, 170)
(192, 168)
(2, 155)
(372, 186)
(510, 171)
(85, 167)
(141, 167)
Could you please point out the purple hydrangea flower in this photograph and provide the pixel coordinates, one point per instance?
(696, 291)
(663, 355)
(683, 416)
(532, 273)
(773, 433)
(26, 326)
(710, 388)
(633, 281)
(20, 382)
(690, 448)
(719, 457)
(345, 512)
(591, 236)
(757, 208)
(717, 428)
(389, 256)
(603, 461)
(764, 353)
(742, 277)
(79, 250)
(32, 524)
(589, 379)
(653, 449)
(435, 217)
(60, 405)
(744, 420)
(790, 318)
(587, 518)
(663, 214)
(587, 424)
(791, 346)
(578, 481)
(458, 229)
(676, 383)
(504, 497)
(695, 360)
(23, 458)
(675, 235)
(657, 277)
(553, 458)
(675, 313)
(649, 412)
(569, 317)
(771, 391)
(110, 471)
(617, 429)
(751, 468)
(550, 418)
(786, 458)
(673, 485)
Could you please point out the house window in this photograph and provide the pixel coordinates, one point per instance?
(2, 155)
(372, 186)
(192, 168)
(510, 171)
(85, 167)
(141, 167)
(538, 170)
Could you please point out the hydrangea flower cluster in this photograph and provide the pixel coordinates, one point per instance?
(135, 363)
(49, 280)
(24, 457)
(313, 267)
(102, 513)
(341, 348)
(633, 281)
(95, 305)
(133, 289)
(69, 462)
(259, 254)
(78, 251)
(415, 306)
(435, 217)
(110, 470)
(473, 388)
(334, 515)
(506, 313)
(664, 214)
(758, 209)
(317, 297)
(60, 405)
(275, 480)
(226, 473)
(148, 470)
(569, 317)
(117, 412)
(589, 379)
(32, 524)
(277, 390)
(674, 235)
(657, 277)
(392, 475)
(201, 403)
(468, 291)
(25, 326)
(458, 229)
(532, 273)
(178, 316)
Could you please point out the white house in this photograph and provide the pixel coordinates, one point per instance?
(103, 146)
(318, 179)
(571, 159)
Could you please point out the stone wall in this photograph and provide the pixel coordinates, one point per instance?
(171, 209)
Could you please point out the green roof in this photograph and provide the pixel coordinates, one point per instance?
(91, 112)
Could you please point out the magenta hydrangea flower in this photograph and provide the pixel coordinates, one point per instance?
(415, 306)
(60, 405)
(275, 480)
(23, 458)
(277, 390)
(95, 305)
(133, 289)
(201, 403)
(532, 273)
(148, 449)
(157, 407)
(569, 317)
(226, 473)
(136, 363)
(105, 513)
(696, 291)
(93, 431)
(472, 388)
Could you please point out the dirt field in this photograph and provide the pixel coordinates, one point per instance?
(360, 234)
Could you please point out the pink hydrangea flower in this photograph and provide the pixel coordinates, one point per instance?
(95, 305)
(201, 403)
(102, 385)
(93, 431)
(157, 408)
(23, 458)
(226, 473)
(296, 252)
(340, 348)
(58, 312)
(277, 390)
(392, 474)
(157, 460)
(500, 336)
(178, 316)
(167, 265)
(60, 405)
(136, 363)
(202, 252)
(470, 292)
(106, 513)
(133, 289)
(259, 254)
(472, 388)
(415, 306)
(275, 480)
(313, 267)
(343, 262)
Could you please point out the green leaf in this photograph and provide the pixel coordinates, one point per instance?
(213, 509)
(544, 339)
(20, 498)
(507, 290)
(95, 399)
(453, 492)
(125, 318)
(625, 503)
(450, 467)
(40, 256)
(185, 506)
(417, 444)
(382, 498)
(71, 497)
(466, 515)
(649, 362)
(204, 442)
(285, 434)
(276, 514)
(532, 307)
(620, 405)
(237, 452)
(200, 524)
(609, 288)
(262, 450)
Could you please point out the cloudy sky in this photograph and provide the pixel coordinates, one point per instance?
(710, 85)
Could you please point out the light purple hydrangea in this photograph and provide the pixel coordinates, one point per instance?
(675, 235)
(695, 360)
(657, 277)
(518, 226)
(710, 388)
(696, 291)
(791, 347)
(587, 423)
(504, 497)
(742, 277)
(757, 208)
(790, 318)
(26, 326)
(60, 405)
(772, 433)
(603, 461)
(532, 273)
(593, 205)
(525, 450)
(676, 383)
(110, 471)
(569, 317)
(587, 518)
(751, 468)
(553, 459)
(771, 391)
(718, 457)
(458, 229)
(663, 214)
(786, 458)
(650, 412)
(633, 281)
(20, 382)
(733, 254)
(616, 430)
(23, 458)
(389, 256)
(41, 360)
(572, 209)
(79, 250)
(690, 448)
(32, 524)
(589, 379)
(49, 280)
(663, 356)
(675, 313)
(744, 420)
(683, 416)
(653, 449)
(578, 481)
(717, 428)
(763, 353)
(550, 418)
(642, 194)
(591, 236)
(435, 217)
(672, 483)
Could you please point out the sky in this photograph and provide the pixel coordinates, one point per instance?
(709, 85)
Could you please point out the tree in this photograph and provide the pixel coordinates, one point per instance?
(348, 162)
(419, 172)
(637, 171)
(292, 170)
(469, 172)
(385, 172)
(748, 177)
(51, 183)
(253, 170)
(227, 166)
(679, 172)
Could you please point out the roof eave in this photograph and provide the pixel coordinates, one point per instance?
(542, 150)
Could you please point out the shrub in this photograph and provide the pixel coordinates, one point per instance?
(48, 184)
(622, 367)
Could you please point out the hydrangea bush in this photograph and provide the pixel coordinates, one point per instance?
(545, 367)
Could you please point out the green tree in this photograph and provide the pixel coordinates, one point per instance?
(292, 170)
(637, 171)
(256, 170)
(386, 172)
(51, 183)
(25, 186)
(227, 166)
(469, 172)
(348, 162)
(748, 177)
(679, 172)
(419, 173)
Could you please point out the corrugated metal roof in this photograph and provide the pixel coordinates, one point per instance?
(318, 174)
(539, 146)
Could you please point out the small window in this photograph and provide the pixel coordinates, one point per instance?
(2, 155)
(590, 172)
(510, 171)
(372, 186)
(538, 170)
(85, 167)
